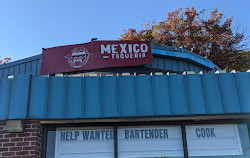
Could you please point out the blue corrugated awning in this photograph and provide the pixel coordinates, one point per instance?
(186, 56)
(26, 97)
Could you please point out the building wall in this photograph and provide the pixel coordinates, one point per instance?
(31, 66)
(21, 145)
(28, 143)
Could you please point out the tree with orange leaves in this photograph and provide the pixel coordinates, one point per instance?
(5, 61)
(211, 37)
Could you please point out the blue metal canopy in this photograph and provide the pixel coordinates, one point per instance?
(25, 97)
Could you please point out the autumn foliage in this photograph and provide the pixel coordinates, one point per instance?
(211, 36)
(4, 61)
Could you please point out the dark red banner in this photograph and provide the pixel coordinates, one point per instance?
(94, 55)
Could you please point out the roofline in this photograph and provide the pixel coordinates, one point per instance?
(182, 53)
(162, 50)
(199, 117)
(21, 61)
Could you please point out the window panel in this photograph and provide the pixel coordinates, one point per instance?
(147, 142)
(217, 141)
(84, 143)
(152, 141)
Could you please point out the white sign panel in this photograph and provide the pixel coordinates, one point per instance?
(150, 142)
(213, 140)
(75, 143)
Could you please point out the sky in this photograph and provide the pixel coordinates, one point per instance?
(27, 26)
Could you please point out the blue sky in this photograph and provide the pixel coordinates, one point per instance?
(27, 26)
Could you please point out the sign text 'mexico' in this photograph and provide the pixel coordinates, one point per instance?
(95, 55)
(124, 51)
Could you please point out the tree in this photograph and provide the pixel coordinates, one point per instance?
(5, 61)
(240, 62)
(211, 37)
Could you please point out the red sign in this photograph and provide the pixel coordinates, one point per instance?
(94, 55)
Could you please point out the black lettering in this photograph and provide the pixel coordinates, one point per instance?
(92, 135)
(132, 136)
(203, 132)
(62, 136)
(146, 134)
(76, 134)
(165, 133)
(208, 132)
(102, 134)
(137, 134)
(97, 135)
(212, 132)
(67, 136)
(71, 135)
(161, 133)
(156, 133)
(111, 134)
(151, 133)
(107, 134)
(198, 133)
(126, 134)
(85, 135)
(142, 130)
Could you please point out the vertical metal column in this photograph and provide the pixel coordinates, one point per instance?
(184, 140)
(44, 142)
(115, 142)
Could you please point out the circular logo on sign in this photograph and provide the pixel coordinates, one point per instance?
(78, 57)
